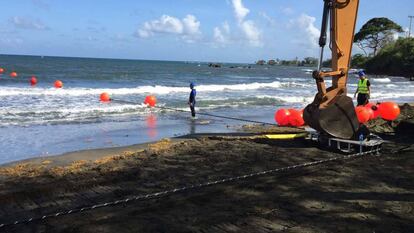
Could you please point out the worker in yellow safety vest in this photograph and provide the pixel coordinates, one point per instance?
(363, 90)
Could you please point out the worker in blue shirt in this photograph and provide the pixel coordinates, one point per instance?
(192, 99)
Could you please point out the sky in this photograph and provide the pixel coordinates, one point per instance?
(184, 30)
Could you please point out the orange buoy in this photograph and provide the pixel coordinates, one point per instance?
(370, 112)
(282, 117)
(295, 118)
(33, 80)
(1, 70)
(13, 74)
(58, 84)
(389, 110)
(105, 97)
(150, 100)
(362, 114)
(376, 111)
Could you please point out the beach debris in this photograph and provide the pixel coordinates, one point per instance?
(58, 84)
(150, 100)
(389, 110)
(1, 70)
(33, 80)
(13, 74)
(363, 114)
(105, 97)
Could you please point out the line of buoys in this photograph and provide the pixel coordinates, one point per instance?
(32, 80)
(149, 100)
(294, 117)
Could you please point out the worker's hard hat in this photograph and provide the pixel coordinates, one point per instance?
(361, 73)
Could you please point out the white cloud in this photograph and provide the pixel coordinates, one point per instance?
(219, 37)
(191, 28)
(306, 31)
(251, 33)
(222, 34)
(191, 25)
(188, 27)
(143, 33)
(166, 24)
(239, 10)
(27, 23)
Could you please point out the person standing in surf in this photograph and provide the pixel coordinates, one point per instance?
(192, 99)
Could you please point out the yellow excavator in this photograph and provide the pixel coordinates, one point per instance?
(332, 112)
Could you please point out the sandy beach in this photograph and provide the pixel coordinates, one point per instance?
(365, 194)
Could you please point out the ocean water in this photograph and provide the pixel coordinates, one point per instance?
(43, 120)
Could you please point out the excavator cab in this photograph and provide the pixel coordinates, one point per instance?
(332, 112)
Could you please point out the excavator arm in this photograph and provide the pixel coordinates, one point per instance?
(332, 111)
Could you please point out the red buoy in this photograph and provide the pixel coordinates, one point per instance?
(362, 114)
(295, 118)
(33, 81)
(13, 74)
(376, 111)
(389, 110)
(150, 100)
(282, 117)
(105, 97)
(58, 84)
(1, 70)
(370, 112)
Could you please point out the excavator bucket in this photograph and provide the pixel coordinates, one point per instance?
(338, 119)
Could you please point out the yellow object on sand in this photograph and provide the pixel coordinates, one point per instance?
(286, 136)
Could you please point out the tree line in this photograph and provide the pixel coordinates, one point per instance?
(383, 53)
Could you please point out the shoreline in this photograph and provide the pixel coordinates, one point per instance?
(96, 153)
(73, 156)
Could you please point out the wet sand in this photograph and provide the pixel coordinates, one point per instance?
(366, 194)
